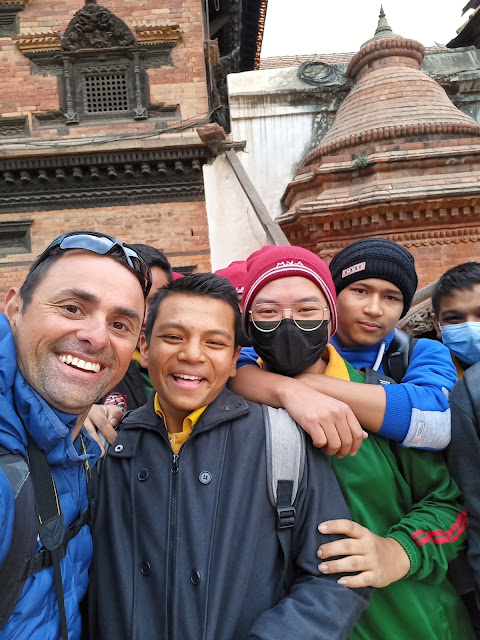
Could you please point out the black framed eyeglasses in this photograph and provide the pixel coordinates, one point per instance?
(308, 316)
(103, 245)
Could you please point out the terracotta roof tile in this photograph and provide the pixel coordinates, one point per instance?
(295, 61)
(279, 62)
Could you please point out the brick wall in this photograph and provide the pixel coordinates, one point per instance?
(183, 84)
(178, 229)
(433, 260)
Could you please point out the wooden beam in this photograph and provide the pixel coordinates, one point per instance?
(424, 293)
(273, 230)
(217, 23)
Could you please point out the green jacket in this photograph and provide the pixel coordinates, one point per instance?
(408, 495)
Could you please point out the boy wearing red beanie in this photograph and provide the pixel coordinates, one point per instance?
(409, 518)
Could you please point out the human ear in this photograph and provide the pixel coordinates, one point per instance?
(236, 355)
(13, 305)
(436, 324)
(143, 352)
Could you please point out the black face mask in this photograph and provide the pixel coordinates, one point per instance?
(288, 350)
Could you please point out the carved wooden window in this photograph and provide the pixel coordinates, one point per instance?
(103, 74)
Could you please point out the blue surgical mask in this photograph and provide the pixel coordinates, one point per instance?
(463, 340)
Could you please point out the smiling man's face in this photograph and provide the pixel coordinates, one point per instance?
(76, 337)
(191, 354)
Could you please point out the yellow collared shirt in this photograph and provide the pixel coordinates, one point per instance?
(336, 367)
(177, 439)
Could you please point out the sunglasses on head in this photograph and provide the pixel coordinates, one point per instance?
(103, 245)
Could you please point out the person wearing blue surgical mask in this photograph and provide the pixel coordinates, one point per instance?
(456, 308)
(456, 305)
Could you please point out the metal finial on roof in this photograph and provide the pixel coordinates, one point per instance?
(383, 27)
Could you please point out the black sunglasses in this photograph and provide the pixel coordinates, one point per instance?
(102, 245)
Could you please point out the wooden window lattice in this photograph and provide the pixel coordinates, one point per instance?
(106, 93)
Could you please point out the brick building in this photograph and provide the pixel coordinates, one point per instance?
(399, 161)
(99, 107)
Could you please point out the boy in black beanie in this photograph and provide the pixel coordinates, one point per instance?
(375, 280)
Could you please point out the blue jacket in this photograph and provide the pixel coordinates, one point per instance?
(36, 614)
(417, 412)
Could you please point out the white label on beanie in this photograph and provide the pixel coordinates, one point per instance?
(356, 267)
(290, 263)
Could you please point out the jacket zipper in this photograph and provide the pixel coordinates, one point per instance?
(173, 544)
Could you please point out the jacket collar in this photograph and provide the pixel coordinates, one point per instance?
(226, 406)
(363, 356)
(23, 409)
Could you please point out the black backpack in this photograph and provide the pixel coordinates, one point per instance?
(395, 360)
(37, 514)
(397, 357)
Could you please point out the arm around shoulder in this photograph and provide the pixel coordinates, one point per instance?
(417, 410)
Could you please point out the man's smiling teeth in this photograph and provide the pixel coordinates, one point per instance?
(185, 377)
(80, 364)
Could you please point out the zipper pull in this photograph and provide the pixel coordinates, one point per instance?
(175, 463)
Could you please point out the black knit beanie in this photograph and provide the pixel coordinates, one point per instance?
(376, 258)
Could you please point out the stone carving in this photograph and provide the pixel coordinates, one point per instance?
(13, 127)
(321, 74)
(9, 23)
(95, 27)
(155, 56)
(15, 237)
(89, 180)
(419, 320)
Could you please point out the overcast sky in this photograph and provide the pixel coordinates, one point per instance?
(336, 26)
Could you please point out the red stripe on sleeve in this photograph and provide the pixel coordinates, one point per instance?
(439, 536)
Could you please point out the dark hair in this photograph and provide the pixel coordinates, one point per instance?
(154, 258)
(463, 276)
(208, 285)
(41, 265)
(36, 275)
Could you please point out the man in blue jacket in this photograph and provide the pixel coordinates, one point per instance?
(66, 338)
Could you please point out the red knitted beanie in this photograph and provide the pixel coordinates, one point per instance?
(236, 272)
(273, 262)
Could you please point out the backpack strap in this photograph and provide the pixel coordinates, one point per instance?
(285, 450)
(37, 513)
(375, 377)
(397, 357)
(24, 532)
(471, 378)
(52, 527)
